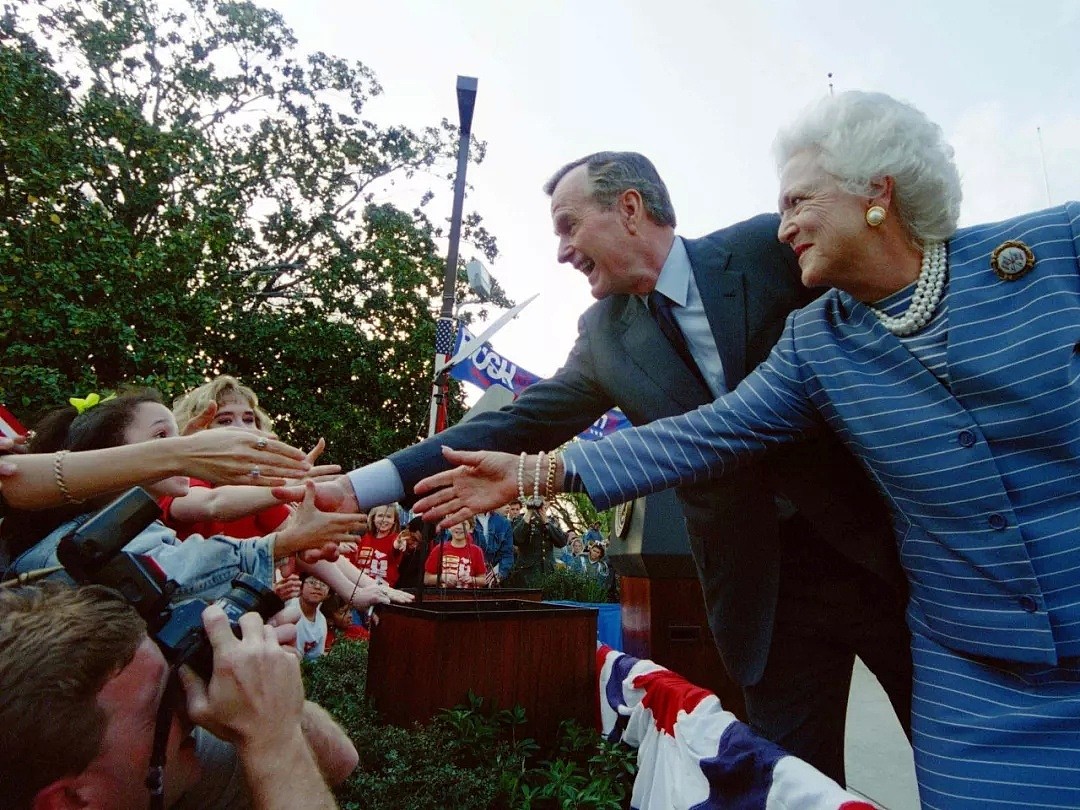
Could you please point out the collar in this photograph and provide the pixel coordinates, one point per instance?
(674, 278)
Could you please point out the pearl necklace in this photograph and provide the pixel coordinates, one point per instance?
(926, 297)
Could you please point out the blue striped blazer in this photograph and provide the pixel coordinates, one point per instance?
(982, 473)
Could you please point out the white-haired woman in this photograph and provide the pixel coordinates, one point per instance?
(949, 363)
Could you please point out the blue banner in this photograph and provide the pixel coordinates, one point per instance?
(487, 368)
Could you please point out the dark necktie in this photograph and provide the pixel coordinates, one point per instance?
(660, 307)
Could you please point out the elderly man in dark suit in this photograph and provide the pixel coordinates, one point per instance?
(797, 564)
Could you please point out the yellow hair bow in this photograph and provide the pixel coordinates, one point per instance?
(83, 405)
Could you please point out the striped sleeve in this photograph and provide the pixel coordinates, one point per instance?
(768, 409)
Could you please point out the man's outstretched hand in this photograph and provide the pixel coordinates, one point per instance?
(330, 496)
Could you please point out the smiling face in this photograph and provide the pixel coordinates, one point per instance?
(150, 421)
(595, 240)
(383, 519)
(825, 226)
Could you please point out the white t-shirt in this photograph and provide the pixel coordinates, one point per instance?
(310, 633)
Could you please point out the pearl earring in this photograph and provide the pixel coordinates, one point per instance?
(875, 215)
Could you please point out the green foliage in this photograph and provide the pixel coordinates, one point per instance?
(575, 586)
(184, 193)
(575, 511)
(470, 756)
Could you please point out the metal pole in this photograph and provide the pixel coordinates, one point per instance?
(466, 95)
(446, 328)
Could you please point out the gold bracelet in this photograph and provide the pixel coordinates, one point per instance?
(553, 459)
(58, 475)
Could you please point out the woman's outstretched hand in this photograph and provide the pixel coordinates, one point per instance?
(483, 481)
(228, 455)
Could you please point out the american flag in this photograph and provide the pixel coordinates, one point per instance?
(445, 335)
(694, 755)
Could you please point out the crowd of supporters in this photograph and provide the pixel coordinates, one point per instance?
(211, 463)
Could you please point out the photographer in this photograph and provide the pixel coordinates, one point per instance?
(536, 536)
(80, 685)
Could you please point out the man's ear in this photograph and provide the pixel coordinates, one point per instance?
(63, 794)
(631, 209)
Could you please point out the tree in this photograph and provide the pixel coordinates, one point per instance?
(184, 194)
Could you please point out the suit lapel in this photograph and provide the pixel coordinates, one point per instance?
(723, 294)
(654, 356)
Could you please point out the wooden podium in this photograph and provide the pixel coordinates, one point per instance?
(663, 610)
(423, 658)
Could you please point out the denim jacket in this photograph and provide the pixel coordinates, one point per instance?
(203, 568)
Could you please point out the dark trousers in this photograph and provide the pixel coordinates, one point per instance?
(829, 610)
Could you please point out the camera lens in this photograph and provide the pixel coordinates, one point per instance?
(249, 595)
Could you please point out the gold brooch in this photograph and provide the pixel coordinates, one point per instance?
(1012, 260)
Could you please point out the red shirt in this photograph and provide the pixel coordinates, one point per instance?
(259, 524)
(377, 557)
(463, 562)
(354, 632)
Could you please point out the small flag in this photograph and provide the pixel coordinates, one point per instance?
(9, 425)
(445, 333)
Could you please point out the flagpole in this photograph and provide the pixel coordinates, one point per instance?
(446, 329)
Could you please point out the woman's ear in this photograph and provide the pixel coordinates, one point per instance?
(881, 191)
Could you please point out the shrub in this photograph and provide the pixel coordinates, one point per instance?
(575, 586)
(468, 757)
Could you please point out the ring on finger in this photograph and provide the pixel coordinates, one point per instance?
(255, 473)
(260, 444)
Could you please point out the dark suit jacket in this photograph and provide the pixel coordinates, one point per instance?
(748, 283)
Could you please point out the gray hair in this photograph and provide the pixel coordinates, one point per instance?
(612, 173)
(862, 137)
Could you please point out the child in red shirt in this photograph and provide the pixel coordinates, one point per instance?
(462, 561)
(380, 550)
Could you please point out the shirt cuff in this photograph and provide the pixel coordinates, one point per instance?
(377, 484)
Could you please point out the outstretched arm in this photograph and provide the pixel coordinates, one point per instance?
(310, 527)
(224, 456)
(769, 409)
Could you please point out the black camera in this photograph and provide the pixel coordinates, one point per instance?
(93, 554)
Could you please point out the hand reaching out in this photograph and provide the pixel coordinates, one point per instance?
(399, 597)
(375, 594)
(228, 455)
(483, 481)
(288, 588)
(330, 496)
(16, 445)
(310, 528)
(321, 472)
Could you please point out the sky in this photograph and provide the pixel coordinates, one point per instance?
(701, 88)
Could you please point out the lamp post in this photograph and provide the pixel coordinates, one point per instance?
(446, 330)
